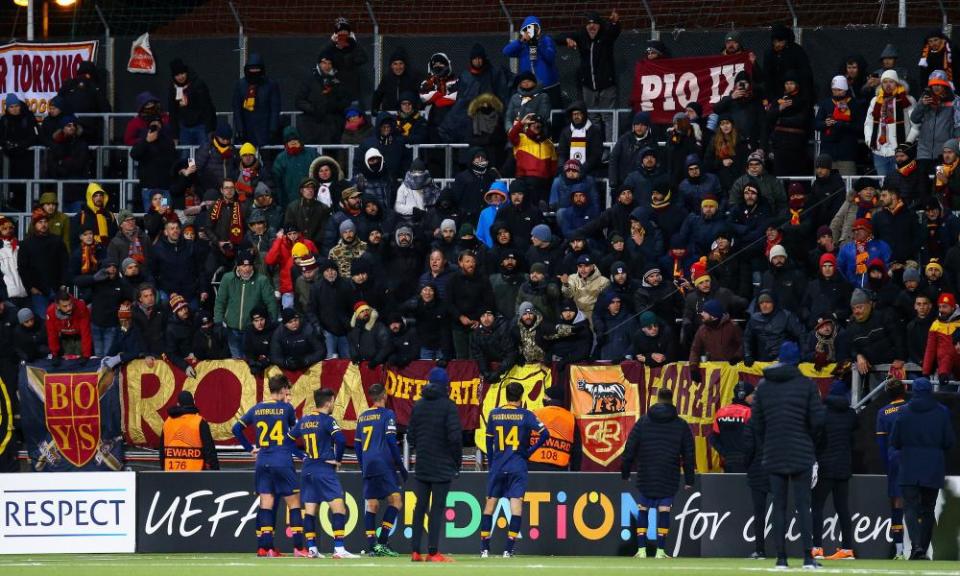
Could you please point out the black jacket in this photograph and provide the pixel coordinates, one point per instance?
(330, 305)
(151, 329)
(42, 262)
(178, 337)
(473, 295)
(211, 343)
(435, 433)
(879, 338)
(835, 448)
(766, 332)
(406, 346)
(296, 350)
(433, 321)
(655, 444)
(824, 297)
(597, 70)
(154, 160)
(373, 345)
(106, 295)
(788, 417)
(30, 344)
(199, 109)
(493, 344)
(256, 347)
(177, 267)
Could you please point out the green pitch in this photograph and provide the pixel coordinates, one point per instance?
(242, 564)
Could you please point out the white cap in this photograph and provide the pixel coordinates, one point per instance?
(839, 83)
(890, 75)
(777, 250)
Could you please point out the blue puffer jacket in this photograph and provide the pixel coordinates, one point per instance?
(545, 66)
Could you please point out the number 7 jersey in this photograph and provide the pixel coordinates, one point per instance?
(272, 421)
(508, 438)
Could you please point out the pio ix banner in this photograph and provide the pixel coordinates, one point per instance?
(34, 72)
(665, 86)
(583, 514)
(607, 400)
(71, 416)
(225, 389)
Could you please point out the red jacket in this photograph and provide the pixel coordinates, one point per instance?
(940, 356)
(536, 158)
(78, 323)
(281, 256)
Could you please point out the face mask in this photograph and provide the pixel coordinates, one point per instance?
(480, 165)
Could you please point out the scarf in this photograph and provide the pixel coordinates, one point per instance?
(225, 151)
(771, 243)
(863, 255)
(947, 59)
(354, 123)
(245, 183)
(825, 348)
(135, 250)
(663, 204)
(12, 239)
(865, 208)
(578, 141)
(251, 99)
(88, 259)
(725, 145)
(236, 224)
(934, 247)
(181, 96)
(889, 109)
(292, 150)
(908, 168)
(841, 112)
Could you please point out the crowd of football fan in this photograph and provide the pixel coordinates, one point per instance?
(279, 259)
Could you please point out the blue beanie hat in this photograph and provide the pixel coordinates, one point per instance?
(223, 130)
(922, 386)
(714, 308)
(12, 100)
(542, 233)
(789, 353)
(439, 376)
(642, 118)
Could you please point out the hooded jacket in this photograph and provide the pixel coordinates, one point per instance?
(939, 356)
(77, 324)
(625, 156)
(766, 332)
(256, 106)
(288, 171)
(923, 434)
(393, 148)
(103, 221)
(524, 102)
(386, 98)
(722, 341)
(937, 123)
(369, 341)
(656, 443)
(199, 109)
(584, 142)
(435, 433)
(613, 333)
(788, 417)
(835, 448)
(322, 99)
(543, 65)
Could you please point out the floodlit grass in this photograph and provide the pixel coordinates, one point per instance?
(242, 564)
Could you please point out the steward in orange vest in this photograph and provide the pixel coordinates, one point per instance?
(186, 444)
(557, 452)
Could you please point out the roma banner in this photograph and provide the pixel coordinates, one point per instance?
(34, 72)
(822, 378)
(225, 389)
(535, 379)
(71, 416)
(405, 385)
(665, 86)
(606, 406)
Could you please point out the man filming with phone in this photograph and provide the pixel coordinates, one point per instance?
(153, 149)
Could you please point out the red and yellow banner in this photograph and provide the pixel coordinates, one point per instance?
(535, 379)
(606, 406)
(405, 385)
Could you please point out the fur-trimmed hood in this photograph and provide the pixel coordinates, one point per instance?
(328, 161)
(485, 99)
(374, 315)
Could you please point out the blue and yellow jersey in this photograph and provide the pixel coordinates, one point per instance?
(508, 438)
(886, 418)
(376, 442)
(272, 421)
(322, 439)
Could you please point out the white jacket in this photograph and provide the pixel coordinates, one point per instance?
(888, 148)
(11, 271)
(407, 200)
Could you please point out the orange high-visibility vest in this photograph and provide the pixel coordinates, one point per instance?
(182, 446)
(556, 451)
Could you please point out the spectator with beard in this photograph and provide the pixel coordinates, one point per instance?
(717, 340)
(263, 202)
(908, 178)
(41, 262)
(348, 249)
(240, 291)
(68, 327)
(543, 294)
(828, 295)
(661, 298)
(768, 328)
(256, 105)
(322, 99)
(698, 185)
(614, 328)
(875, 336)
(596, 75)
(506, 284)
(434, 318)
(652, 344)
(581, 140)
(179, 336)
(528, 335)
(468, 294)
(398, 81)
(701, 228)
(130, 242)
(157, 216)
(295, 345)
(224, 227)
(785, 280)
(446, 241)
(308, 215)
(838, 121)
(330, 300)
(585, 286)
(403, 259)
(918, 328)
(369, 339)
(940, 356)
(946, 183)
(897, 225)
(192, 113)
(627, 152)
(256, 341)
(490, 343)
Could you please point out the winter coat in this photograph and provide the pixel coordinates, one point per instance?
(322, 99)
(129, 345)
(405, 346)
(386, 98)
(901, 231)
(719, 342)
(261, 125)
(213, 166)
(839, 140)
(625, 156)
(614, 219)
(545, 297)
(847, 260)
(597, 70)
(543, 64)
(788, 416)
(901, 125)
(590, 151)
(210, 344)
(835, 448)
(296, 350)
(237, 297)
(584, 291)
(30, 344)
(119, 247)
(178, 339)
(493, 345)
(42, 262)
(176, 267)
(469, 295)
(256, 347)
(76, 325)
(789, 284)
(330, 305)
(766, 332)
(289, 171)
(824, 297)
(662, 343)
(369, 341)
(828, 195)
(505, 290)
(923, 434)
(657, 441)
(435, 433)
(524, 102)
(693, 193)
(152, 329)
(105, 296)
(351, 63)
(393, 148)
(940, 357)
(918, 331)
(937, 124)
(571, 341)
(771, 190)
(879, 338)
(748, 117)
(199, 109)
(281, 256)
(69, 158)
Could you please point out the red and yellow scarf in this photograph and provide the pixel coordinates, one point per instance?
(236, 222)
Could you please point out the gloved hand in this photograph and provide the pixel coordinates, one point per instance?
(748, 362)
(110, 362)
(190, 372)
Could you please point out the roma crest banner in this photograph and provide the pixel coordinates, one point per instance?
(606, 406)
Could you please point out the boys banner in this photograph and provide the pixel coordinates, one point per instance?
(607, 400)
(35, 72)
(665, 86)
(225, 389)
(535, 379)
(71, 416)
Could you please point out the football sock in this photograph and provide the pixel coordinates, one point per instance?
(265, 519)
(296, 526)
(896, 526)
(370, 528)
(663, 528)
(486, 524)
(514, 531)
(310, 530)
(389, 519)
(339, 521)
(642, 520)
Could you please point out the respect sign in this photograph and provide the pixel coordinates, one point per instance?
(35, 72)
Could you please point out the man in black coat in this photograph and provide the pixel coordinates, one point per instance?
(256, 340)
(406, 343)
(369, 338)
(655, 444)
(835, 459)
(597, 74)
(295, 344)
(875, 336)
(923, 435)
(490, 343)
(469, 293)
(788, 417)
(767, 329)
(435, 433)
(331, 299)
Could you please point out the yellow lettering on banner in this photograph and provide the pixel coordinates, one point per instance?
(534, 500)
(301, 391)
(534, 378)
(86, 437)
(63, 435)
(140, 409)
(351, 392)
(248, 390)
(57, 396)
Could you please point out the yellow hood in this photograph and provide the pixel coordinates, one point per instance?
(93, 188)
